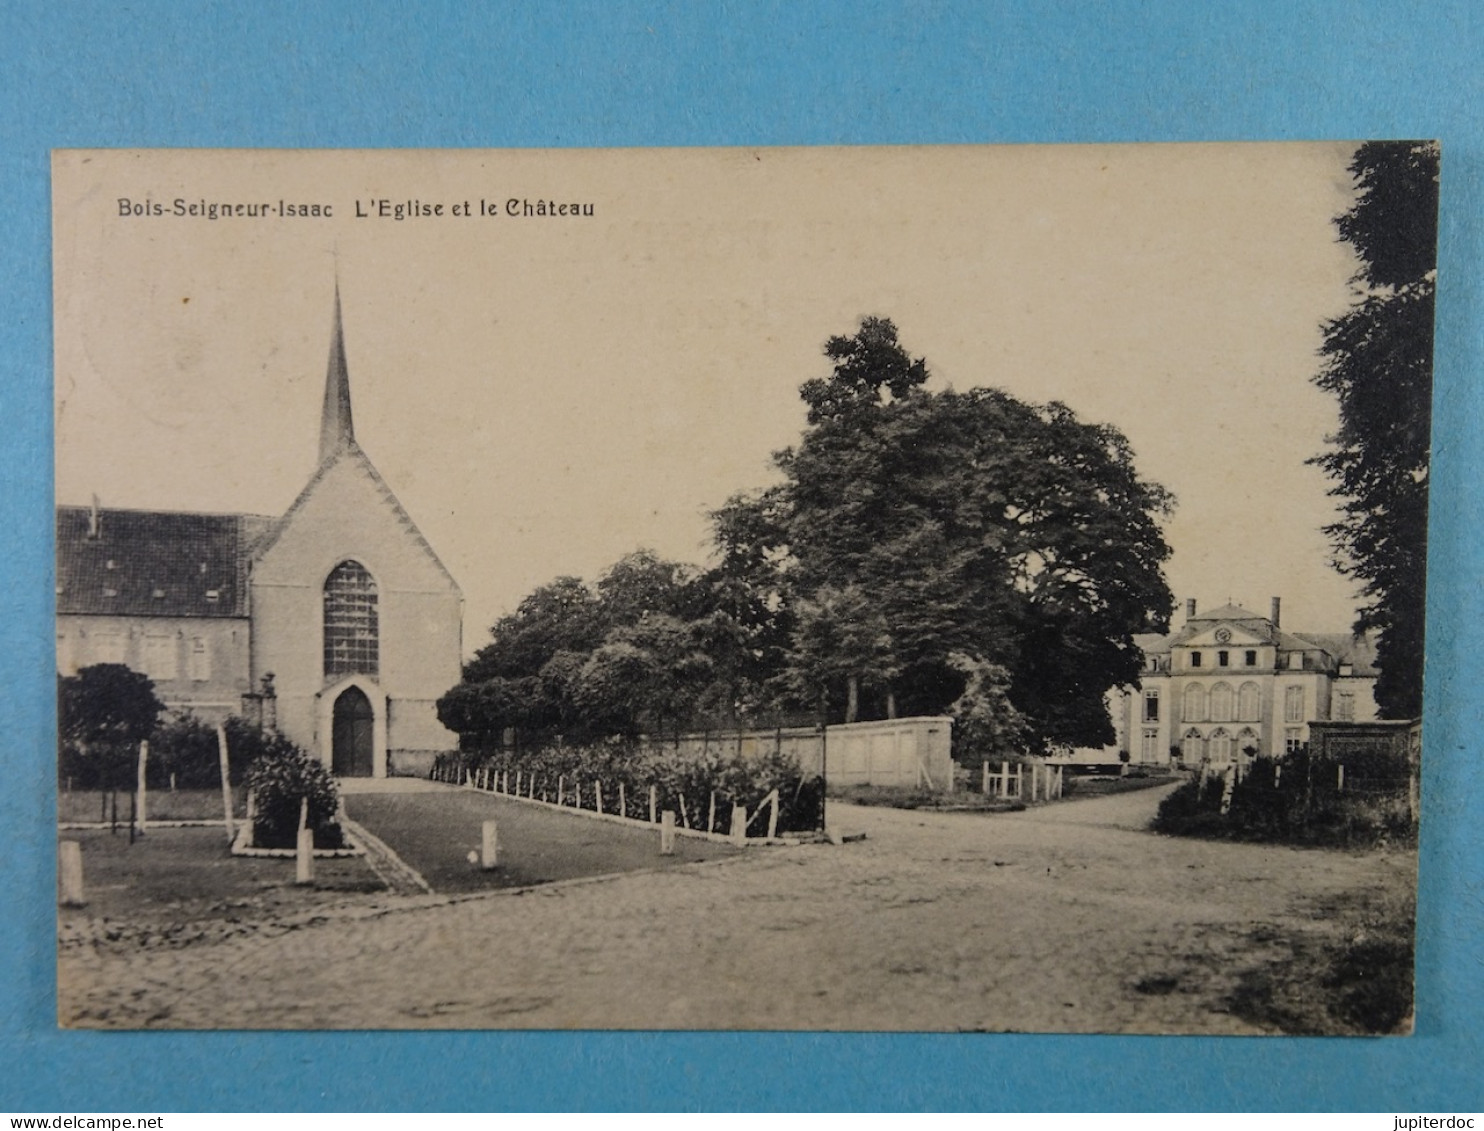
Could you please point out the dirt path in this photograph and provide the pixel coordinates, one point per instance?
(1064, 918)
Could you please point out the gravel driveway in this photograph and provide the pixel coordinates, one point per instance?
(1063, 918)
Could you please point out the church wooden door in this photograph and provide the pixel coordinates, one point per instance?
(353, 741)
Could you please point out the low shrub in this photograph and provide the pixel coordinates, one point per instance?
(683, 782)
(281, 778)
(1290, 801)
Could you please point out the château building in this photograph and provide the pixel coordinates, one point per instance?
(334, 621)
(1231, 684)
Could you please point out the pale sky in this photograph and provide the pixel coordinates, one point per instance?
(547, 394)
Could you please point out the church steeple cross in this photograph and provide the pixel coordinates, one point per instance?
(336, 431)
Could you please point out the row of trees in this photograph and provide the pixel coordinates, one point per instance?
(923, 552)
(1378, 364)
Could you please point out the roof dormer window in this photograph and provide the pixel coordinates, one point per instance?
(213, 594)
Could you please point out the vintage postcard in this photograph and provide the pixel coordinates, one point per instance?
(944, 588)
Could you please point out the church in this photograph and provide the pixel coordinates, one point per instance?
(335, 622)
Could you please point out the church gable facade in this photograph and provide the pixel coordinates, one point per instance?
(337, 621)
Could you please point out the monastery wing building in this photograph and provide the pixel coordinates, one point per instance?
(336, 621)
(1234, 685)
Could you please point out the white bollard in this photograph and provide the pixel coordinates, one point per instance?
(739, 824)
(667, 833)
(71, 869)
(304, 857)
(653, 795)
(490, 847)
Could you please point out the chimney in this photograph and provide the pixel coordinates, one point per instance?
(1190, 608)
(1277, 605)
(95, 519)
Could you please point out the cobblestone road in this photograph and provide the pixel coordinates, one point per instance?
(1066, 918)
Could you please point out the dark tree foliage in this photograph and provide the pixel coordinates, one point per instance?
(103, 713)
(966, 529)
(640, 650)
(1378, 363)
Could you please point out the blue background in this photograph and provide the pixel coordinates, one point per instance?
(442, 74)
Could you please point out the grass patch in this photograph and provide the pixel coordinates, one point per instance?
(87, 806)
(435, 832)
(902, 797)
(179, 876)
(1360, 984)
(1079, 788)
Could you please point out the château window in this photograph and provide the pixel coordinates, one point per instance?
(1221, 703)
(1194, 709)
(352, 634)
(1223, 659)
(1195, 659)
(1151, 706)
(1249, 703)
(1251, 659)
(1345, 707)
(1293, 705)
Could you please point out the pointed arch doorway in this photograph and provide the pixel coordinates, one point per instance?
(353, 731)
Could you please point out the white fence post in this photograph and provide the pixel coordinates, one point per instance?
(489, 849)
(561, 786)
(143, 809)
(623, 809)
(71, 869)
(739, 824)
(653, 800)
(221, 751)
(1340, 777)
(667, 833)
(711, 813)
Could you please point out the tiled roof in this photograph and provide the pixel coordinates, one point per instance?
(1228, 612)
(1347, 648)
(154, 563)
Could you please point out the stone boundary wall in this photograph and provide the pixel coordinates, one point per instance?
(901, 752)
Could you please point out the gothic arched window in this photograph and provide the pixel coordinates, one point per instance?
(1220, 746)
(352, 636)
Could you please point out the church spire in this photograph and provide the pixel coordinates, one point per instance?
(335, 430)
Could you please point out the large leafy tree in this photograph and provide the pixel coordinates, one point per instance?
(104, 712)
(628, 653)
(1378, 363)
(968, 529)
